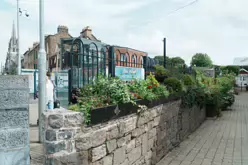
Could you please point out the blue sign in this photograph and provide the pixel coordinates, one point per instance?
(128, 73)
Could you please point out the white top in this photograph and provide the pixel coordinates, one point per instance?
(49, 91)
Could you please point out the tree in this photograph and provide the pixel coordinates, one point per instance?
(230, 69)
(160, 59)
(201, 60)
(175, 61)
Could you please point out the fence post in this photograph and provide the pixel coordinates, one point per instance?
(111, 61)
(70, 78)
(145, 64)
(69, 85)
(35, 90)
(164, 52)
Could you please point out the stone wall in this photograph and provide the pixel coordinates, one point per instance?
(138, 139)
(14, 123)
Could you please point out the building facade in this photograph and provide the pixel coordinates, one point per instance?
(11, 58)
(52, 47)
(126, 57)
(129, 57)
(58, 46)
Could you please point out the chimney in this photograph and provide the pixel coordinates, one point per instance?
(62, 29)
(86, 32)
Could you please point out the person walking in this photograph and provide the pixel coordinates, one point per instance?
(49, 94)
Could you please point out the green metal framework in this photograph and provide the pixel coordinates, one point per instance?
(85, 60)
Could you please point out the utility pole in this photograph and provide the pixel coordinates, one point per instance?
(164, 52)
(18, 42)
(19, 13)
(42, 71)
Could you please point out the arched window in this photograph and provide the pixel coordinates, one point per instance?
(134, 60)
(141, 61)
(124, 60)
(127, 60)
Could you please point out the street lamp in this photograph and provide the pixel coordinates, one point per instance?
(19, 13)
(42, 70)
(164, 40)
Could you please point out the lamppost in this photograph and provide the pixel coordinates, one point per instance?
(164, 52)
(19, 13)
(42, 70)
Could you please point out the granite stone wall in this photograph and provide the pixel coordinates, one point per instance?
(14, 120)
(137, 139)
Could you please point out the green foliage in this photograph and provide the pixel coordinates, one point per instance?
(176, 61)
(140, 90)
(161, 73)
(227, 100)
(160, 70)
(111, 91)
(193, 96)
(188, 80)
(148, 90)
(201, 60)
(217, 91)
(74, 107)
(230, 69)
(225, 83)
(160, 59)
(173, 84)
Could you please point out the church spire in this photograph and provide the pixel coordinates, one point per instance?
(13, 34)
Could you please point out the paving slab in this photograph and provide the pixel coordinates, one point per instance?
(221, 141)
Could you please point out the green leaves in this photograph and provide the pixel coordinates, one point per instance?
(201, 60)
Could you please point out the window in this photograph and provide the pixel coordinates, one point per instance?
(123, 59)
(141, 61)
(134, 60)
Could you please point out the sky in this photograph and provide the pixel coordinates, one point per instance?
(216, 27)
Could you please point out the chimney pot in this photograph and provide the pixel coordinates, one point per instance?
(62, 29)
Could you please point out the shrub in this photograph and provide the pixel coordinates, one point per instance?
(173, 85)
(148, 89)
(187, 80)
(213, 101)
(161, 73)
(193, 97)
(227, 100)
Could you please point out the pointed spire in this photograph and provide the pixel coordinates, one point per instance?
(13, 35)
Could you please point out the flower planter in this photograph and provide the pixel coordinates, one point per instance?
(161, 100)
(147, 103)
(126, 109)
(103, 114)
(211, 110)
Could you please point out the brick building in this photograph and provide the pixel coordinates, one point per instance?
(123, 56)
(129, 57)
(52, 46)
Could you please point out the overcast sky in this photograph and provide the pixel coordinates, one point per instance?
(216, 27)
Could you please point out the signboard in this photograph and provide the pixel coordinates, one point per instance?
(62, 80)
(128, 73)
